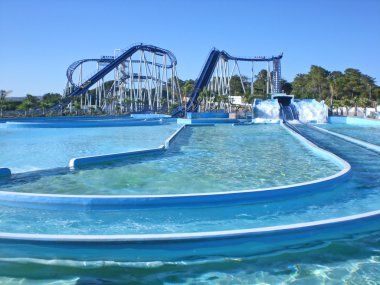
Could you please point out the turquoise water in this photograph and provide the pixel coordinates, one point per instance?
(203, 159)
(353, 261)
(359, 194)
(369, 134)
(24, 149)
(343, 262)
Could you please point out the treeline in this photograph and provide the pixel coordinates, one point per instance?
(29, 103)
(348, 88)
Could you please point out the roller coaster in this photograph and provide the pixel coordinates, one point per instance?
(145, 80)
(141, 78)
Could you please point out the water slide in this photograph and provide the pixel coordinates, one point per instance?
(206, 74)
(289, 113)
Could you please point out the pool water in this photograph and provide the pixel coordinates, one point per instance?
(28, 149)
(342, 262)
(203, 159)
(369, 134)
(359, 194)
(352, 261)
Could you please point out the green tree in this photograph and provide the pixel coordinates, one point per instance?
(346, 103)
(299, 86)
(286, 87)
(188, 87)
(353, 82)
(28, 103)
(248, 97)
(317, 82)
(236, 88)
(363, 103)
(77, 105)
(204, 98)
(44, 105)
(49, 100)
(259, 86)
(336, 83)
(52, 98)
(3, 100)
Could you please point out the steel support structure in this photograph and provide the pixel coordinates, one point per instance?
(140, 79)
(219, 88)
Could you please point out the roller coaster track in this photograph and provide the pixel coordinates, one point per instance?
(71, 69)
(206, 74)
(112, 64)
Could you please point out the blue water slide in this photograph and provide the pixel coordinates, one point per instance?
(203, 79)
(206, 74)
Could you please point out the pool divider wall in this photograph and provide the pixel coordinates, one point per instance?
(346, 167)
(106, 158)
(353, 121)
(61, 118)
(367, 145)
(213, 121)
(5, 172)
(185, 246)
(86, 123)
(169, 140)
(149, 116)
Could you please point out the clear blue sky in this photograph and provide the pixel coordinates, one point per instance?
(41, 38)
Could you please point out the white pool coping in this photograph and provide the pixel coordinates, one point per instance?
(78, 162)
(362, 143)
(188, 236)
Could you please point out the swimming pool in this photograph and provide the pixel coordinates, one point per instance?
(202, 260)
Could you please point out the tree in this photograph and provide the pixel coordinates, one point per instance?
(49, 100)
(204, 98)
(28, 103)
(3, 100)
(52, 98)
(353, 83)
(336, 83)
(248, 97)
(346, 104)
(44, 105)
(259, 86)
(188, 87)
(299, 85)
(363, 103)
(286, 87)
(236, 88)
(77, 105)
(317, 83)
